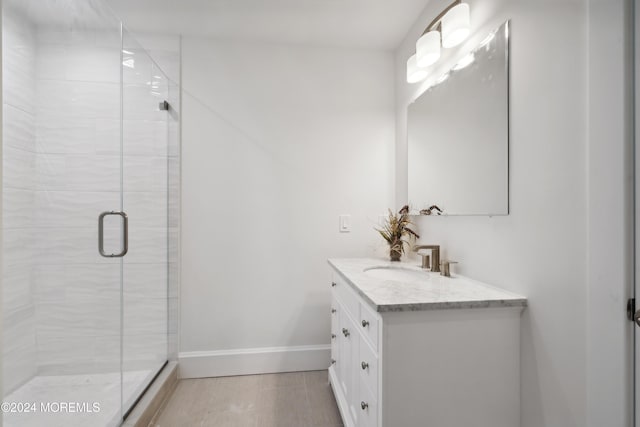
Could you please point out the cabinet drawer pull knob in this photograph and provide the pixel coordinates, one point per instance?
(365, 323)
(364, 405)
(333, 310)
(333, 284)
(333, 361)
(333, 336)
(364, 365)
(345, 332)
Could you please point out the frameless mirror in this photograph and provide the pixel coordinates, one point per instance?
(458, 135)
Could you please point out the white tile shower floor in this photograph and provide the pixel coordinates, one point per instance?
(103, 389)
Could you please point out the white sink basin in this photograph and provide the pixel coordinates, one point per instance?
(397, 274)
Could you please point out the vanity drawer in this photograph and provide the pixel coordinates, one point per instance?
(368, 406)
(368, 368)
(346, 295)
(369, 323)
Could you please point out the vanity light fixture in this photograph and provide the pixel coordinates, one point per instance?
(428, 48)
(450, 28)
(415, 73)
(456, 25)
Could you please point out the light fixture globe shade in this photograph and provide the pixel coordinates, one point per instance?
(414, 73)
(456, 25)
(428, 49)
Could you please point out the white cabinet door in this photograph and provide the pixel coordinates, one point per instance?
(344, 358)
(335, 327)
(350, 359)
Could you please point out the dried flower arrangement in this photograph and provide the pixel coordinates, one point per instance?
(394, 229)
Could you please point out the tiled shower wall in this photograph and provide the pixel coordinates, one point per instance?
(62, 168)
(19, 163)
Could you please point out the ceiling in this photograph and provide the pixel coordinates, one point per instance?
(378, 24)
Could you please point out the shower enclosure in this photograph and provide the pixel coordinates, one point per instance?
(90, 137)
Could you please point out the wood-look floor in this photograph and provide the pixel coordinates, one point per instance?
(296, 399)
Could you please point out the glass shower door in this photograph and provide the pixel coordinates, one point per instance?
(62, 168)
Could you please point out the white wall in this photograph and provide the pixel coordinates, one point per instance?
(610, 220)
(539, 250)
(278, 141)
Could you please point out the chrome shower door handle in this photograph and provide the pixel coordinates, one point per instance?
(125, 234)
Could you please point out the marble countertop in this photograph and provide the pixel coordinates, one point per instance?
(411, 293)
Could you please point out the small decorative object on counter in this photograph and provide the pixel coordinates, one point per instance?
(394, 229)
(431, 210)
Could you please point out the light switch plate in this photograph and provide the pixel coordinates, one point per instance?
(345, 223)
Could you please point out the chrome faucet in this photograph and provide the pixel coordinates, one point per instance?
(435, 255)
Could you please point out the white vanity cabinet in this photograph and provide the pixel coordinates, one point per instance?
(354, 361)
(438, 359)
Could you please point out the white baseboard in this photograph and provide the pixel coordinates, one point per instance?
(221, 363)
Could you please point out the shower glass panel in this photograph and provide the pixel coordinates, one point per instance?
(83, 134)
(145, 168)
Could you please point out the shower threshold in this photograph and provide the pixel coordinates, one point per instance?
(68, 400)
